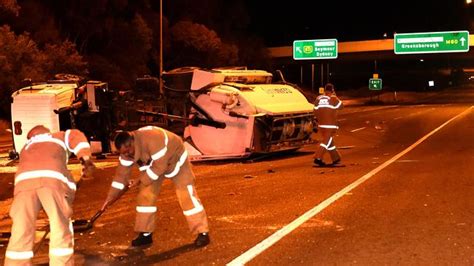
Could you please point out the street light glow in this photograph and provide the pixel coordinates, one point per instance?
(468, 1)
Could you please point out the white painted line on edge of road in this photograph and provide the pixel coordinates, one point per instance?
(275, 237)
(357, 129)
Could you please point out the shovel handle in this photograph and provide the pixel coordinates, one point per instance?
(96, 216)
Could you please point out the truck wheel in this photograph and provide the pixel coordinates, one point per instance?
(12, 154)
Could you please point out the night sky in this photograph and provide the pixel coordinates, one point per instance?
(281, 23)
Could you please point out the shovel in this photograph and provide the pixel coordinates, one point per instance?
(78, 225)
(85, 225)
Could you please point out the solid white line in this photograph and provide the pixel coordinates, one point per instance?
(275, 237)
(357, 129)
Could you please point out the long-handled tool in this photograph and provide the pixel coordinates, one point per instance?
(84, 225)
(78, 225)
(5, 237)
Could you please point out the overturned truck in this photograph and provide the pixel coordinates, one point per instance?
(221, 113)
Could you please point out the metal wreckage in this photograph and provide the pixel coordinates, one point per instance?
(221, 113)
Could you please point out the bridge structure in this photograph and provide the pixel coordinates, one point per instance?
(357, 61)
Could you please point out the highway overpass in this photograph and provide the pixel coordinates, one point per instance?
(358, 60)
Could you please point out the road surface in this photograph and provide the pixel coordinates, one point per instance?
(404, 198)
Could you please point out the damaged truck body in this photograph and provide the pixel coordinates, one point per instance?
(220, 113)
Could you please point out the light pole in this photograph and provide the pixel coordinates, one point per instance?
(161, 47)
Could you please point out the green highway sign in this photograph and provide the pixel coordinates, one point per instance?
(315, 49)
(375, 84)
(431, 42)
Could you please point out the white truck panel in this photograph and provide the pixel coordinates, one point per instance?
(35, 106)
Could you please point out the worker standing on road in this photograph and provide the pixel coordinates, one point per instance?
(325, 110)
(159, 154)
(43, 181)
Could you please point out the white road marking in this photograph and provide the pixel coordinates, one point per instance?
(407, 161)
(275, 237)
(357, 129)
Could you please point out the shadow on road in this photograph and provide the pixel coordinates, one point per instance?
(131, 256)
(138, 256)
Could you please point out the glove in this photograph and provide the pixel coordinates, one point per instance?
(88, 169)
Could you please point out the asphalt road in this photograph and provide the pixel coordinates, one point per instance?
(404, 198)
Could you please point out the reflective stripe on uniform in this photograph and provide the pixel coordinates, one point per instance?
(327, 106)
(146, 209)
(118, 185)
(159, 154)
(163, 151)
(19, 255)
(197, 206)
(328, 146)
(329, 142)
(181, 161)
(143, 168)
(71, 229)
(151, 174)
(146, 128)
(45, 173)
(80, 146)
(59, 252)
(66, 139)
(323, 102)
(124, 162)
(328, 126)
(45, 138)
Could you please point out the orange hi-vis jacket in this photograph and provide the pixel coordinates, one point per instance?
(325, 110)
(158, 153)
(43, 160)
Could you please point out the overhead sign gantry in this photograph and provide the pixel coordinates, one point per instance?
(431, 42)
(315, 49)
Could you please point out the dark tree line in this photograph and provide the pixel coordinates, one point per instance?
(118, 40)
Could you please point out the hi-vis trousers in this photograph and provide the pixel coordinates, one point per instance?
(327, 144)
(187, 197)
(24, 211)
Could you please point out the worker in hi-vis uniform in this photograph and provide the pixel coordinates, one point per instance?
(325, 110)
(43, 181)
(159, 154)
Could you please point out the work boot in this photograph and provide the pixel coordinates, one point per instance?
(143, 239)
(319, 162)
(202, 240)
